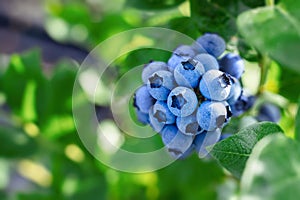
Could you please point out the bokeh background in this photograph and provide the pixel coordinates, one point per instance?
(42, 44)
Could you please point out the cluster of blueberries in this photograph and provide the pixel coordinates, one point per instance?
(190, 98)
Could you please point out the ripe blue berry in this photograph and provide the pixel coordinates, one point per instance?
(182, 101)
(211, 115)
(242, 104)
(143, 100)
(269, 112)
(188, 152)
(212, 43)
(188, 125)
(181, 54)
(208, 61)
(156, 124)
(188, 73)
(176, 142)
(160, 84)
(198, 48)
(204, 140)
(162, 113)
(215, 85)
(236, 90)
(232, 64)
(152, 67)
(142, 117)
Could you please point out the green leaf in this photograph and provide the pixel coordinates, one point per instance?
(288, 84)
(194, 178)
(35, 196)
(218, 16)
(186, 25)
(233, 152)
(254, 3)
(23, 83)
(297, 123)
(56, 111)
(275, 31)
(15, 143)
(272, 171)
(153, 4)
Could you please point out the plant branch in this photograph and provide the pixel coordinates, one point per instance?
(269, 2)
(264, 65)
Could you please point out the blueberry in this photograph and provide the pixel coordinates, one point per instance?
(235, 92)
(212, 43)
(188, 73)
(182, 101)
(215, 85)
(242, 104)
(162, 113)
(189, 125)
(181, 53)
(269, 112)
(176, 142)
(142, 117)
(152, 67)
(160, 84)
(211, 115)
(232, 64)
(188, 152)
(198, 48)
(143, 100)
(155, 123)
(208, 61)
(204, 140)
(228, 112)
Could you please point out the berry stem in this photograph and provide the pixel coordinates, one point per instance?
(269, 2)
(264, 65)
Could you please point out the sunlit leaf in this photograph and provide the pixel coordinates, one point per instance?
(233, 152)
(272, 171)
(257, 27)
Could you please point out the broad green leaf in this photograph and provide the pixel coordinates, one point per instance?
(288, 84)
(275, 31)
(186, 25)
(233, 152)
(15, 143)
(24, 84)
(194, 178)
(218, 16)
(272, 171)
(153, 4)
(142, 57)
(56, 111)
(297, 123)
(254, 3)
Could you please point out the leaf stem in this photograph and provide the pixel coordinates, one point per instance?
(264, 65)
(269, 2)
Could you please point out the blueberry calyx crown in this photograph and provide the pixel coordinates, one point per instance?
(220, 120)
(188, 66)
(160, 116)
(193, 128)
(156, 81)
(225, 80)
(178, 101)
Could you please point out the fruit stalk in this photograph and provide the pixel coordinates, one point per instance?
(264, 65)
(269, 2)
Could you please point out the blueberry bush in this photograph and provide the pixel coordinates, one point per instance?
(241, 77)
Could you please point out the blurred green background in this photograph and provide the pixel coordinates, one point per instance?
(42, 43)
